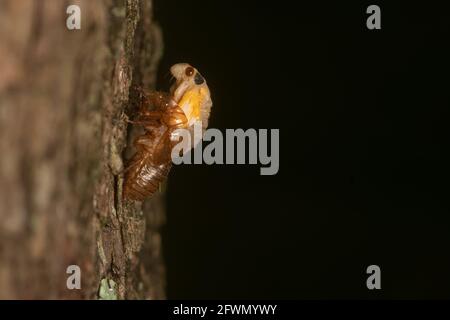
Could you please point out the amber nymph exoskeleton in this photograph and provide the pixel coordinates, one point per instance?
(160, 114)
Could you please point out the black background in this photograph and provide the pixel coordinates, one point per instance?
(363, 173)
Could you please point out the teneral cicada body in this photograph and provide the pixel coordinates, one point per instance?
(161, 114)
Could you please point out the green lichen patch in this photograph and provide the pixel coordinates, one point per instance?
(107, 290)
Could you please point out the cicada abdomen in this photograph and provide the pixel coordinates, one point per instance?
(145, 171)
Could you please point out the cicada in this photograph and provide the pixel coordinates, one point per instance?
(160, 114)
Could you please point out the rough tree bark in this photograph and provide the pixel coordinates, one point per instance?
(64, 100)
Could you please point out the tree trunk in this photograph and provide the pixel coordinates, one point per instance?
(64, 100)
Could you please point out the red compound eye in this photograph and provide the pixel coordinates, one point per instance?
(189, 71)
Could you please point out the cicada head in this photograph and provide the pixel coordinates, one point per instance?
(191, 92)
